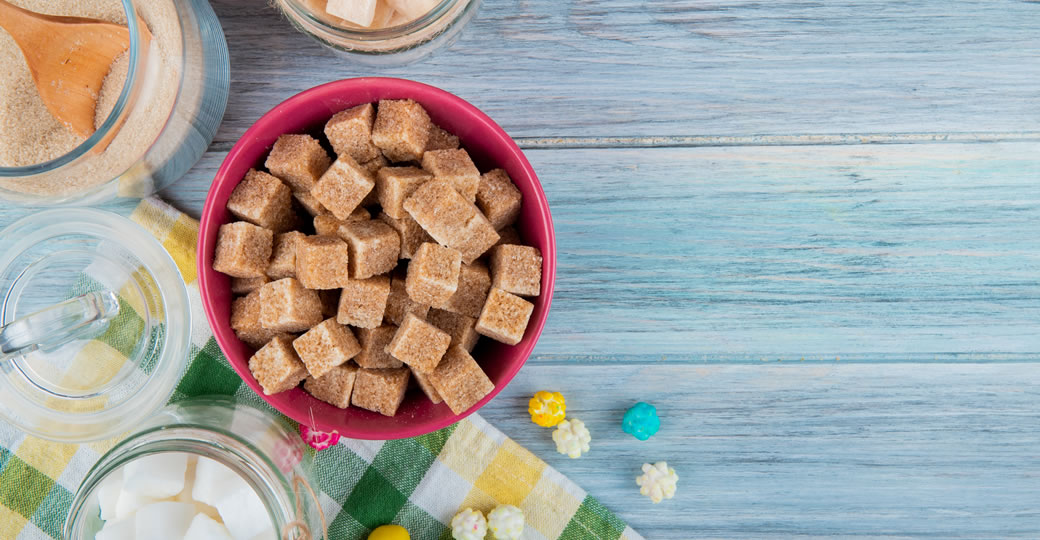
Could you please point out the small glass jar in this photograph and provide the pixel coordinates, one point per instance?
(394, 45)
(161, 121)
(262, 449)
(96, 325)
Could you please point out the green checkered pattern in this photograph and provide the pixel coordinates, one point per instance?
(418, 483)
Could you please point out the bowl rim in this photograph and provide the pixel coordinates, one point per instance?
(212, 215)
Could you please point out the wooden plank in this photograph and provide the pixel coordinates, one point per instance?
(923, 252)
(858, 252)
(835, 451)
(581, 68)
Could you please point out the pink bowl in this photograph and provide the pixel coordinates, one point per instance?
(489, 146)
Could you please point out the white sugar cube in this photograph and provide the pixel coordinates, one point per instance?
(413, 9)
(108, 495)
(244, 513)
(212, 480)
(159, 475)
(164, 520)
(204, 528)
(356, 11)
(118, 530)
(129, 503)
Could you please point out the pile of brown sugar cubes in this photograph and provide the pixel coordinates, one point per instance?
(356, 307)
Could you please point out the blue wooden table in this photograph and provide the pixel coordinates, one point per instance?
(808, 231)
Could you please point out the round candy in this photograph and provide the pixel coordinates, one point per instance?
(547, 408)
(641, 421)
(572, 438)
(469, 524)
(319, 440)
(657, 481)
(506, 522)
(389, 532)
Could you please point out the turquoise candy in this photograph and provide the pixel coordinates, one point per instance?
(641, 421)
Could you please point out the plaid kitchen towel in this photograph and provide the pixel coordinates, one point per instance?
(419, 483)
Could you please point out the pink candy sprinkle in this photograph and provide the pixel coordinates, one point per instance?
(319, 440)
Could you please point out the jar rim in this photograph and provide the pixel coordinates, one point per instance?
(111, 123)
(372, 34)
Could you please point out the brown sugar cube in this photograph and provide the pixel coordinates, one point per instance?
(426, 387)
(509, 235)
(350, 133)
(243, 250)
(504, 317)
(380, 390)
(374, 247)
(499, 199)
(516, 269)
(277, 367)
(328, 224)
(395, 184)
(433, 274)
(326, 346)
(329, 302)
(245, 321)
(399, 304)
(373, 353)
(419, 344)
(456, 167)
(299, 160)
(263, 200)
(373, 166)
(401, 129)
(474, 283)
(287, 306)
(362, 303)
(451, 220)
(283, 256)
(322, 262)
(460, 381)
(247, 285)
(335, 387)
(461, 328)
(342, 188)
(441, 140)
(412, 234)
(309, 203)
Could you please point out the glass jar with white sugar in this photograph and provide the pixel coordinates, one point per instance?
(210, 463)
(157, 110)
(399, 31)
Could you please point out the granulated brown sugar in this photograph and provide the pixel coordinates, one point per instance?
(29, 134)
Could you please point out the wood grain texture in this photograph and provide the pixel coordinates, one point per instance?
(826, 451)
(923, 252)
(695, 67)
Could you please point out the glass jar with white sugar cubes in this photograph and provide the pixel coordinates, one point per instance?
(203, 468)
(382, 32)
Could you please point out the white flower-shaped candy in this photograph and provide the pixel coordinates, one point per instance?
(506, 522)
(572, 438)
(657, 481)
(469, 524)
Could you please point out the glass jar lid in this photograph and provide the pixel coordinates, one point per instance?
(96, 324)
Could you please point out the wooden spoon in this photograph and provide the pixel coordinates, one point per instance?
(69, 58)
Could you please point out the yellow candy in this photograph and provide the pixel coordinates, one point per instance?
(389, 532)
(547, 408)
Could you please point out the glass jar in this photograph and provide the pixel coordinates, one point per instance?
(162, 120)
(262, 449)
(395, 45)
(96, 325)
